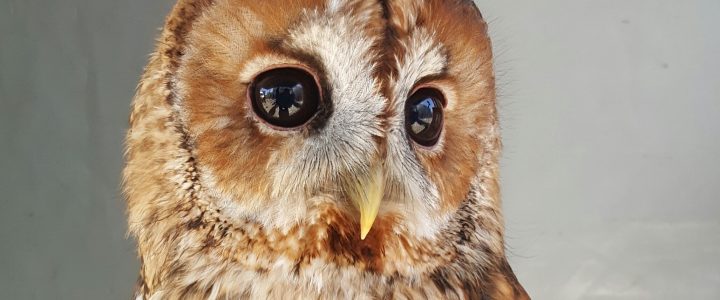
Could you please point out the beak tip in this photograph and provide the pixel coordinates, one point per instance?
(363, 235)
(364, 230)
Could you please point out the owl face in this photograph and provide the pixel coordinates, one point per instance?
(377, 110)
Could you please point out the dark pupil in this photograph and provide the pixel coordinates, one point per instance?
(424, 117)
(285, 97)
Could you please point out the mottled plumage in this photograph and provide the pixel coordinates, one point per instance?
(225, 205)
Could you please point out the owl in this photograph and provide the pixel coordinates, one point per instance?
(318, 149)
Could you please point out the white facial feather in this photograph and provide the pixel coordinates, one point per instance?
(345, 144)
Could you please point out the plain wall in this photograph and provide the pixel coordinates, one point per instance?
(611, 123)
(611, 169)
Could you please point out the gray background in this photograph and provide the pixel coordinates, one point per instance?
(611, 116)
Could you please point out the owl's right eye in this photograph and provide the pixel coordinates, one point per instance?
(286, 97)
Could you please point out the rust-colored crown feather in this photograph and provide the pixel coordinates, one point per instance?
(225, 205)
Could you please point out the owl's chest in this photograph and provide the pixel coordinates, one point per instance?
(319, 282)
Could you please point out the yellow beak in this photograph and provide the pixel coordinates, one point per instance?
(367, 192)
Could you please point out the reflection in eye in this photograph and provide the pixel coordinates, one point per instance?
(282, 101)
(423, 112)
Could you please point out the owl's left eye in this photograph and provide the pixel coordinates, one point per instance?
(424, 116)
(285, 97)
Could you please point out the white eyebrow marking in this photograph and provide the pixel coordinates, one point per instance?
(423, 57)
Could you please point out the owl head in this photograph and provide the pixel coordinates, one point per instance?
(380, 111)
(362, 128)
